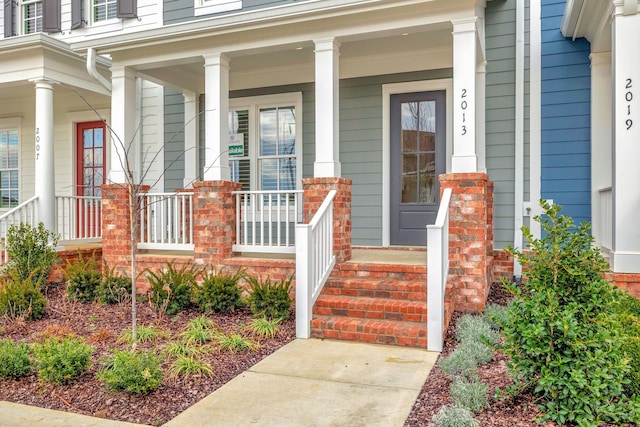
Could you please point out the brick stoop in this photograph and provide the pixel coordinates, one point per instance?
(375, 303)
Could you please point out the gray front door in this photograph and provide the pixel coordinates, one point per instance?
(417, 158)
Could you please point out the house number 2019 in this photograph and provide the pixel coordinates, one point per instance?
(37, 143)
(628, 96)
(463, 106)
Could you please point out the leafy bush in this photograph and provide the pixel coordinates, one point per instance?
(558, 334)
(219, 292)
(496, 315)
(131, 371)
(62, 359)
(270, 299)
(32, 252)
(470, 394)
(454, 416)
(114, 288)
(83, 279)
(170, 289)
(627, 320)
(190, 366)
(14, 359)
(21, 298)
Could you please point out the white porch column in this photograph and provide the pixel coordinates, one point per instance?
(481, 149)
(626, 134)
(45, 173)
(190, 138)
(216, 101)
(123, 125)
(327, 162)
(464, 95)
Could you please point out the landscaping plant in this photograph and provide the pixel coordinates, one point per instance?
(564, 343)
(32, 252)
(219, 291)
(145, 334)
(83, 279)
(14, 359)
(132, 371)
(235, 343)
(264, 328)
(114, 288)
(199, 330)
(270, 299)
(21, 298)
(189, 366)
(454, 416)
(469, 393)
(60, 360)
(170, 289)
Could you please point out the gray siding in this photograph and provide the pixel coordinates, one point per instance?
(182, 10)
(500, 114)
(173, 140)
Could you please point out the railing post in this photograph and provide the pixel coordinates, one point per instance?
(304, 252)
(435, 290)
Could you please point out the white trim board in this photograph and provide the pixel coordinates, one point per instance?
(408, 87)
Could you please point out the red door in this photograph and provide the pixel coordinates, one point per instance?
(90, 173)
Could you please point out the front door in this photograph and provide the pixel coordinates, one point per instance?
(90, 173)
(417, 158)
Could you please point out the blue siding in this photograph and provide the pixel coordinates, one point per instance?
(566, 120)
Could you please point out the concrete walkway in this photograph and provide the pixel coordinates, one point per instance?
(305, 383)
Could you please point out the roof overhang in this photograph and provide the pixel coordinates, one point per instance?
(590, 19)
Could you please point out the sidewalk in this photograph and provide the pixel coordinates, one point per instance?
(305, 383)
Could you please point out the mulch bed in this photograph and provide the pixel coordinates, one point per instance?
(101, 326)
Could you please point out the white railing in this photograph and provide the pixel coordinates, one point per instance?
(437, 273)
(266, 220)
(79, 218)
(26, 212)
(314, 261)
(605, 226)
(166, 221)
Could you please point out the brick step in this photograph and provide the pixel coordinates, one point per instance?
(377, 288)
(371, 308)
(372, 331)
(390, 271)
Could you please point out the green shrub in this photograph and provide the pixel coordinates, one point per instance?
(270, 299)
(469, 393)
(496, 315)
(14, 359)
(32, 252)
(627, 320)
(170, 289)
(61, 359)
(83, 279)
(466, 358)
(476, 328)
(114, 288)
(558, 335)
(218, 291)
(131, 371)
(454, 416)
(21, 297)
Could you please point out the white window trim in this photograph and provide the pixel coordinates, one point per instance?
(93, 22)
(21, 15)
(15, 123)
(253, 105)
(207, 7)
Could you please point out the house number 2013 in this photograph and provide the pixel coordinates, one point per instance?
(463, 106)
(628, 96)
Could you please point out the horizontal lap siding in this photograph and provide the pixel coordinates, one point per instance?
(182, 10)
(500, 33)
(566, 122)
(174, 140)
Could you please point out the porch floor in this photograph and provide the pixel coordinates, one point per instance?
(388, 256)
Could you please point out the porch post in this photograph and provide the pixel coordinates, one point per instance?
(45, 173)
(626, 133)
(481, 150)
(327, 162)
(190, 138)
(123, 126)
(216, 79)
(464, 95)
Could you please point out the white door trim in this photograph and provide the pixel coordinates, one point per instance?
(408, 87)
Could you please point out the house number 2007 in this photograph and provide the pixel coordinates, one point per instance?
(628, 96)
(37, 143)
(463, 106)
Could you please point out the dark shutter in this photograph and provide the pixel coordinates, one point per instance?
(50, 16)
(76, 14)
(127, 8)
(8, 18)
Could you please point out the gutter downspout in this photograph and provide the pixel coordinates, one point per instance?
(519, 134)
(93, 72)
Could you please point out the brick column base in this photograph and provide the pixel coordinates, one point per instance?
(315, 191)
(214, 220)
(470, 238)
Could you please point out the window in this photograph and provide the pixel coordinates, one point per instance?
(265, 147)
(31, 16)
(9, 181)
(206, 7)
(104, 10)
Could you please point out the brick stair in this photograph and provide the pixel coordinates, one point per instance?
(376, 303)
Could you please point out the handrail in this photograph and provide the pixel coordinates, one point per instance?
(166, 221)
(79, 218)
(314, 262)
(437, 273)
(24, 212)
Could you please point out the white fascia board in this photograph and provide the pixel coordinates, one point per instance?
(571, 15)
